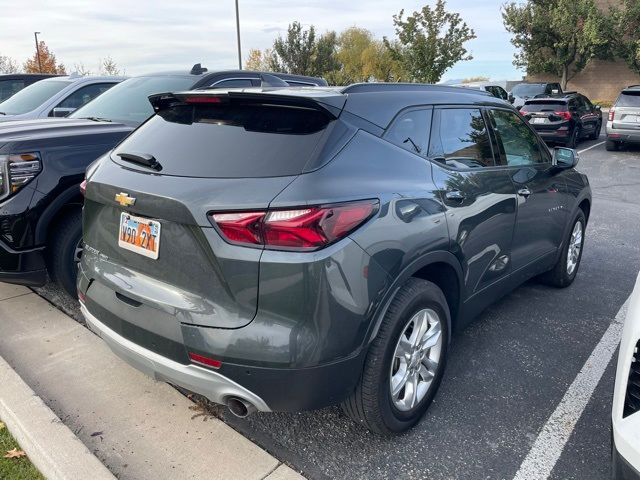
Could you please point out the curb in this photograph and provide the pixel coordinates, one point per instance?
(50, 445)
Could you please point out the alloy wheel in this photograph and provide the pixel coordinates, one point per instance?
(575, 246)
(415, 359)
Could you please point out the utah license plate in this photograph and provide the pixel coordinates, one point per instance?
(538, 120)
(139, 235)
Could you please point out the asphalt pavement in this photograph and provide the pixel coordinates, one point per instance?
(507, 371)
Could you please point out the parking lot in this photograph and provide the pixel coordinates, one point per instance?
(507, 372)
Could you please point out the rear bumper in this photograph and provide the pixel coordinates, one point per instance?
(622, 469)
(554, 136)
(622, 135)
(208, 383)
(24, 267)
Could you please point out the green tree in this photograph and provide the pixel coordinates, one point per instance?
(258, 60)
(559, 37)
(430, 42)
(626, 33)
(295, 52)
(47, 61)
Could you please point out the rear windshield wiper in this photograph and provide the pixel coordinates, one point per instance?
(97, 119)
(141, 159)
(413, 144)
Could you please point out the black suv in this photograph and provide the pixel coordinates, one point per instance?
(282, 249)
(43, 162)
(14, 82)
(564, 119)
(526, 90)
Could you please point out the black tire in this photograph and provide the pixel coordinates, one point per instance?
(559, 276)
(63, 266)
(611, 146)
(596, 132)
(574, 138)
(370, 404)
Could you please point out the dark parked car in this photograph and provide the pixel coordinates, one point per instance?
(283, 250)
(491, 88)
(623, 125)
(14, 82)
(44, 161)
(564, 119)
(524, 91)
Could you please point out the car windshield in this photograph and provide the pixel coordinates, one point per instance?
(128, 102)
(527, 90)
(629, 99)
(32, 97)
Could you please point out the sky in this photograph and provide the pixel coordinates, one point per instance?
(145, 36)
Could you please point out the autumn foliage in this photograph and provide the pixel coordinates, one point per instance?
(47, 63)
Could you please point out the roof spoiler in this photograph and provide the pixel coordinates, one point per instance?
(329, 105)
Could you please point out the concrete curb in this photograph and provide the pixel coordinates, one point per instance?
(50, 445)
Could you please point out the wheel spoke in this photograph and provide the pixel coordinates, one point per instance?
(412, 394)
(432, 336)
(421, 324)
(425, 373)
(398, 381)
(403, 350)
(430, 365)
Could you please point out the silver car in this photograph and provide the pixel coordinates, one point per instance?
(623, 125)
(54, 97)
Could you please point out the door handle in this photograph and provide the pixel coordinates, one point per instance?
(455, 195)
(524, 192)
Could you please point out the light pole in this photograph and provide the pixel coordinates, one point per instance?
(35, 34)
(238, 34)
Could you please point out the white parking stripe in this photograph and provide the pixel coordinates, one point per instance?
(548, 447)
(592, 146)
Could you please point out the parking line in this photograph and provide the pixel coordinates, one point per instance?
(553, 437)
(592, 146)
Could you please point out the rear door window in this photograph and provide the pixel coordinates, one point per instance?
(231, 140)
(84, 95)
(9, 87)
(629, 99)
(410, 130)
(462, 139)
(518, 145)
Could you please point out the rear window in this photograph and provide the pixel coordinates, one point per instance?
(31, 97)
(546, 106)
(230, 140)
(527, 90)
(629, 99)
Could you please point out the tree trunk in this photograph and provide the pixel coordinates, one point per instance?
(564, 80)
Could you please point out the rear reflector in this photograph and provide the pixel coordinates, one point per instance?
(201, 359)
(306, 228)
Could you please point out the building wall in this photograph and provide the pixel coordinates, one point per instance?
(600, 80)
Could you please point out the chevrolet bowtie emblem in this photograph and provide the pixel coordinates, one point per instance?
(125, 200)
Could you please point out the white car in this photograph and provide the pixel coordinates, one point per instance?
(54, 97)
(626, 397)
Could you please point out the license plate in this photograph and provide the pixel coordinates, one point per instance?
(538, 120)
(139, 235)
(632, 118)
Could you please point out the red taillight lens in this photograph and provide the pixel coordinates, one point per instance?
(612, 114)
(302, 228)
(524, 113)
(241, 227)
(563, 115)
(83, 187)
(203, 99)
(206, 361)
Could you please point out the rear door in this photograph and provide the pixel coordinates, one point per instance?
(588, 115)
(541, 190)
(165, 180)
(478, 194)
(626, 111)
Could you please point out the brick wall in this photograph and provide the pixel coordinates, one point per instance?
(600, 80)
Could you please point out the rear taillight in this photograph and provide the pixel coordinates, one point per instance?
(524, 113)
(612, 114)
(83, 187)
(563, 115)
(304, 228)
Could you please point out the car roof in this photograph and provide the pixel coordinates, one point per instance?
(631, 88)
(558, 97)
(17, 76)
(84, 79)
(376, 102)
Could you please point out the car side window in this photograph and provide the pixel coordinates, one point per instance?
(503, 93)
(518, 145)
(234, 83)
(410, 130)
(83, 96)
(462, 139)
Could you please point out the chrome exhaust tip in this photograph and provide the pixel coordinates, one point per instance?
(239, 407)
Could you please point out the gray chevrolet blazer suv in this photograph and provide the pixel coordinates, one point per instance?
(281, 249)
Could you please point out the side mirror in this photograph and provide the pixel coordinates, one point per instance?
(565, 157)
(511, 98)
(598, 107)
(62, 112)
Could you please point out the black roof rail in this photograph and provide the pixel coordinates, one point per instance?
(406, 87)
(633, 86)
(198, 69)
